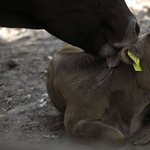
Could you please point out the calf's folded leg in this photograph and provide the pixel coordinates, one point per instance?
(94, 132)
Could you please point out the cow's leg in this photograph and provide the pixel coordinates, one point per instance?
(94, 132)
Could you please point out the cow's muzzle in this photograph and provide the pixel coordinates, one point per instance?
(130, 36)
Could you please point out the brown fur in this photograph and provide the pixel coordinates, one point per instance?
(100, 104)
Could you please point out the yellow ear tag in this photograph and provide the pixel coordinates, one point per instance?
(136, 60)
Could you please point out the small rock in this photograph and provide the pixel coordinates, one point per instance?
(1, 83)
(49, 57)
(29, 96)
(45, 95)
(12, 64)
(42, 104)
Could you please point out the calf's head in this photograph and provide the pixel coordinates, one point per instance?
(140, 49)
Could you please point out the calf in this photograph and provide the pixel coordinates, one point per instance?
(88, 24)
(100, 104)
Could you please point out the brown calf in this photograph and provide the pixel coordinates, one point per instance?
(100, 104)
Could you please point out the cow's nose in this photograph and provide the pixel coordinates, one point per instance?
(133, 30)
(137, 28)
(131, 34)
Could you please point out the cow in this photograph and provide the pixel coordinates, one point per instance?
(101, 105)
(99, 27)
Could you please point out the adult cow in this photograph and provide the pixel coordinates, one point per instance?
(97, 26)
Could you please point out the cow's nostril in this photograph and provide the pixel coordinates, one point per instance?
(137, 29)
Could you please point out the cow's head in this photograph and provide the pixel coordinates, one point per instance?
(100, 27)
(120, 25)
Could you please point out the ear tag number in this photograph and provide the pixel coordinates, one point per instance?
(136, 60)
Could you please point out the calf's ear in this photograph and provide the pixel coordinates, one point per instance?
(134, 48)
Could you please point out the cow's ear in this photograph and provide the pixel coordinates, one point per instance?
(135, 49)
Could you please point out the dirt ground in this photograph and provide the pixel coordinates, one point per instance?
(26, 112)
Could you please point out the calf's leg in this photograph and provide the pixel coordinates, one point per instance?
(94, 132)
